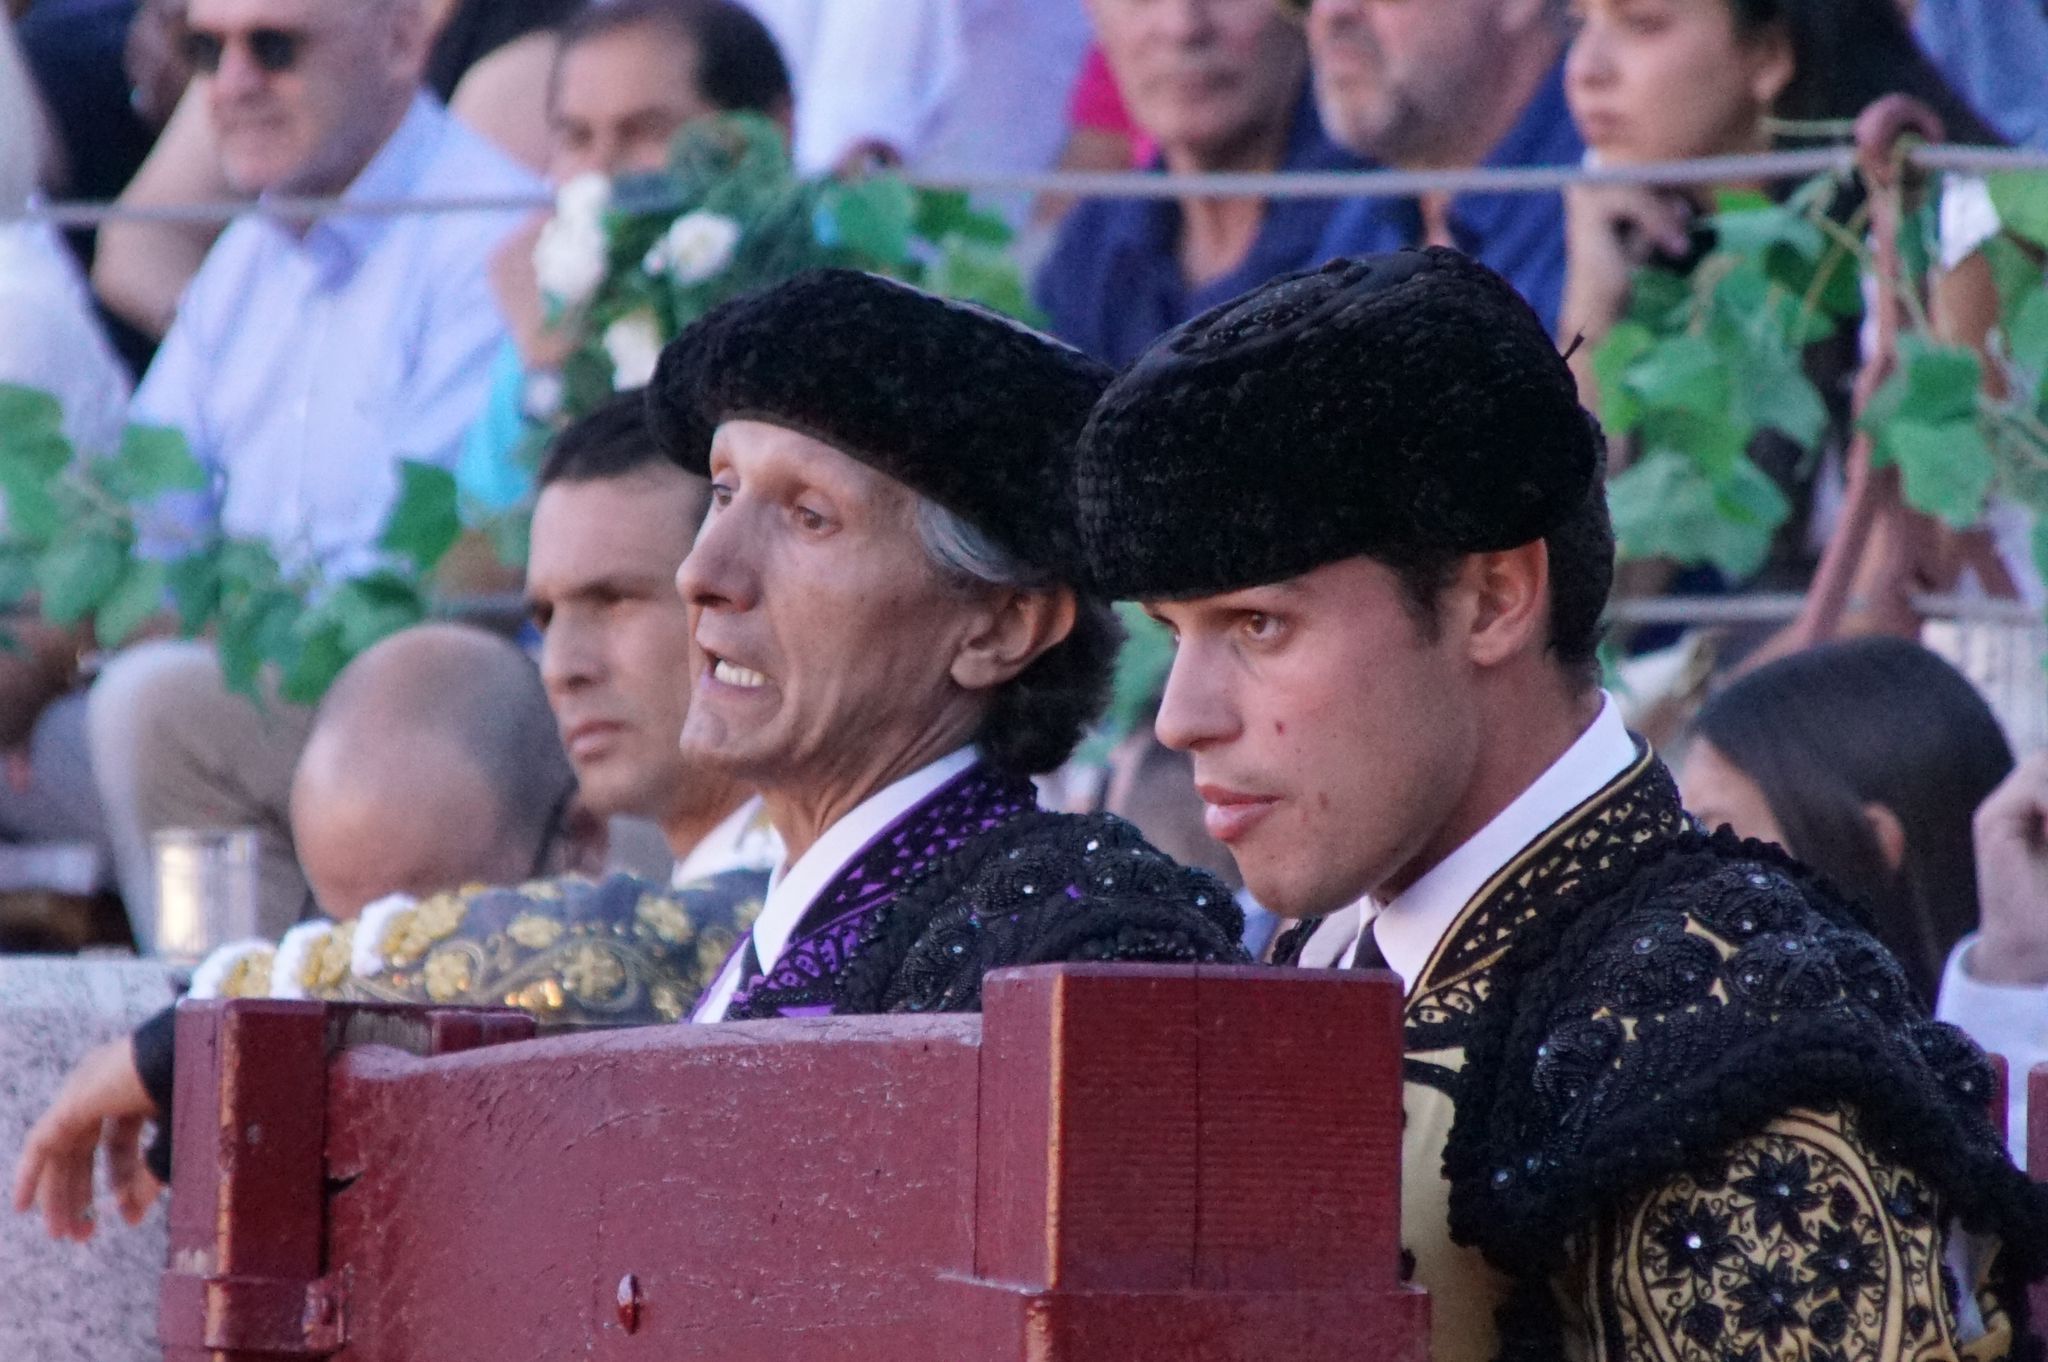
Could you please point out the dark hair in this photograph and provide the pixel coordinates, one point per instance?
(609, 442)
(1037, 720)
(1848, 54)
(1826, 732)
(739, 67)
(1581, 552)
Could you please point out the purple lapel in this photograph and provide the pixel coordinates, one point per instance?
(840, 920)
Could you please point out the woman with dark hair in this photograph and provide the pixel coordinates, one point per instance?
(1669, 80)
(1865, 759)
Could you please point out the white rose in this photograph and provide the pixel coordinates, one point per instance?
(695, 247)
(634, 343)
(569, 261)
(583, 200)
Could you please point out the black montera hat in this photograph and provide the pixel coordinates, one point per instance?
(973, 410)
(1408, 400)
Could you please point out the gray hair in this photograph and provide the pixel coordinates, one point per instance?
(964, 553)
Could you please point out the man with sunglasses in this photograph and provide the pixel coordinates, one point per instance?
(308, 359)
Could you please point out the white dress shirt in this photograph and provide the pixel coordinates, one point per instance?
(1408, 929)
(791, 888)
(743, 841)
(304, 367)
(2006, 1019)
(956, 86)
(50, 340)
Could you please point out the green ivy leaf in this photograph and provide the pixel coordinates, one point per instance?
(873, 217)
(153, 460)
(1713, 443)
(138, 597)
(2027, 335)
(17, 575)
(194, 585)
(1684, 373)
(950, 212)
(2014, 270)
(28, 412)
(1664, 506)
(1935, 385)
(980, 274)
(373, 607)
(2021, 198)
(75, 577)
(255, 630)
(319, 657)
(425, 520)
(33, 516)
(1620, 410)
(1946, 469)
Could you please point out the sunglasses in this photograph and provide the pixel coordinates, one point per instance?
(274, 50)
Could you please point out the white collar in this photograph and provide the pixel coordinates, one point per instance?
(1408, 929)
(792, 887)
(742, 841)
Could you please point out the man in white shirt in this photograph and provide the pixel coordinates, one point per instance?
(1664, 1097)
(307, 362)
(613, 522)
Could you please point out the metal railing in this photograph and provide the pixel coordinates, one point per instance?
(1785, 165)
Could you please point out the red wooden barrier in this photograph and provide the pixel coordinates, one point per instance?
(1111, 1164)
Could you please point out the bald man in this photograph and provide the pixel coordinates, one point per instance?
(432, 763)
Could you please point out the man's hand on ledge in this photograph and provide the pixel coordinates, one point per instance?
(102, 1102)
(2012, 880)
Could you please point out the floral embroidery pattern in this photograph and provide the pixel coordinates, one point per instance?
(1799, 1245)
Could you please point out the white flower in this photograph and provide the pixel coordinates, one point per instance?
(232, 969)
(695, 247)
(570, 255)
(634, 343)
(367, 957)
(582, 201)
(287, 972)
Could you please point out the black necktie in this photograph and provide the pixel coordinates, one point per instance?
(1369, 955)
(750, 962)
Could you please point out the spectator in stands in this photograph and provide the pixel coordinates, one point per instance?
(49, 339)
(1447, 85)
(1865, 759)
(1708, 83)
(488, 63)
(941, 86)
(614, 520)
(630, 75)
(455, 720)
(1993, 52)
(1996, 984)
(1219, 85)
(307, 361)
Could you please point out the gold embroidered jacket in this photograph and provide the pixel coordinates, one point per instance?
(1667, 1100)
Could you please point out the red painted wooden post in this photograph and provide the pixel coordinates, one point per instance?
(1114, 1168)
(1196, 1165)
(245, 1280)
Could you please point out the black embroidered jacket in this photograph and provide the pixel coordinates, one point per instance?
(1036, 888)
(1668, 1099)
